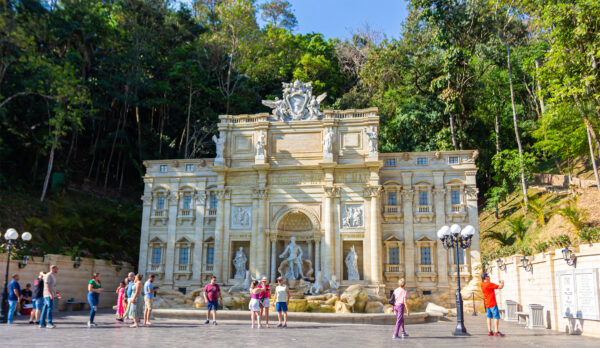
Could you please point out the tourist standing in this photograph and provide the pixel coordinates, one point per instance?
(25, 299)
(282, 298)
(149, 291)
(130, 281)
(212, 295)
(120, 297)
(50, 294)
(254, 305)
(37, 298)
(400, 297)
(135, 307)
(265, 299)
(94, 290)
(491, 306)
(14, 296)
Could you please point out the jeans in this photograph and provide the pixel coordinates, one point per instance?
(46, 315)
(399, 319)
(12, 307)
(93, 300)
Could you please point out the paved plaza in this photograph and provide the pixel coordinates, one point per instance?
(71, 331)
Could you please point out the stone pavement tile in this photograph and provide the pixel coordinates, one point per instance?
(72, 331)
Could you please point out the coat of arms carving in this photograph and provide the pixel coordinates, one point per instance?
(298, 103)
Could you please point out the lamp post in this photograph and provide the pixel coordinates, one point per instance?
(454, 237)
(10, 236)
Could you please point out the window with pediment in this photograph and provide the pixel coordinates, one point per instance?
(183, 252)
(187, 204)
(426, 260)
(156, 251)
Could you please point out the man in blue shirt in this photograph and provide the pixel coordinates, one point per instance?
(130, 284)
(14, 296)
(149, 290)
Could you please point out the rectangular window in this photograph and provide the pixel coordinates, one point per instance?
(426, 256)
(156, 255)
(423, 199)
(461, 256)
(187, 202)
(160, 203)
(455, 196)
(453, 160)
(394, 256)
(213, 201)
(184, 255)
(189, 167)
(390, 162)
(422, 161)
(392, 198)
(163, 168)
(210, 255)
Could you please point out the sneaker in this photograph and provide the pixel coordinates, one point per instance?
(31, 322)
(51, 326)
(279, 325)
(284, 325)
(94, 324)
(404, 335)
(499, 334)
(215, 322)
(394, 337)
(207, 321)
(490, 333)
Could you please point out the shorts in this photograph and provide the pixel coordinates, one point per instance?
(38, 303)
(265, 303)
(212, 305)
(493, 312)
(281, 306)
(148, 302)
(254, 305)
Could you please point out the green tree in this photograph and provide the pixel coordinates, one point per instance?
(279, 13)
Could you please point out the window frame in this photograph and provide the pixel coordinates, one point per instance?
(422, 161)
(390, 162)
(163, 168)
(189, 167)
(453, 160)
(154, 250)
(452, 193)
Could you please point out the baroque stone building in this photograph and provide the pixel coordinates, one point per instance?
(316, 176)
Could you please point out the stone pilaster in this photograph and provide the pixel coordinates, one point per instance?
(273, 239)
(222, 195)
(337, 244)
(439, 199)
(254, 245)
(198, 250)
(409, 238)
(327, 226)
(317, 254)
(173, 206)
(145, 235)
(261, 252)
(375, 235)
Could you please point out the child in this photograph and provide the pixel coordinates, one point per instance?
(120, 308)
(254, 305)
(400, 297)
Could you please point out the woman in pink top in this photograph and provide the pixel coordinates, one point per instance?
(400, 303)
(120, 293)
(254, 305)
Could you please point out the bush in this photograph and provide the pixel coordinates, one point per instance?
(560, 241)
(541, 247)
(589, 235)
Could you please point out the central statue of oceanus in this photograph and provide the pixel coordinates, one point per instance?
(298, 103)
(294, 260)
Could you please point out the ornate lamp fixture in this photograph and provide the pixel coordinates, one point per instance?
(455, 237)
(501, 264)
(23, 263)
(76, 262)
(526, 264)
(569, 257)
(11, 237)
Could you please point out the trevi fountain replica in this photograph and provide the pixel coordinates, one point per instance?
(304, 194)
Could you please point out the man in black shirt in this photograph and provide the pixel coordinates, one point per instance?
(38, 299)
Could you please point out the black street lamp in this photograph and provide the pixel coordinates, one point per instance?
(453, 237)
(10, 236)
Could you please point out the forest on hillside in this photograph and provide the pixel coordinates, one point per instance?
(91, 88)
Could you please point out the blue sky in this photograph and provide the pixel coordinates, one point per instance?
(337, 18)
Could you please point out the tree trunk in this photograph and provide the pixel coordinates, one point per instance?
(497, 131)
(514, 112)
(139, 129)
(50, 164)
(592, 157)
(187, 123)
(453, 132)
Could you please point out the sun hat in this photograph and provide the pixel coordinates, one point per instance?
(264, 279)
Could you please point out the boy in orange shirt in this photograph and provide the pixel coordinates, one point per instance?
(491, 306)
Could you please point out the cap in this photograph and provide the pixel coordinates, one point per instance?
(264, 279)
(483, 276)
(279, 278)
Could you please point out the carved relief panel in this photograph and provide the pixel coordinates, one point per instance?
(241, 217)
(352, 216)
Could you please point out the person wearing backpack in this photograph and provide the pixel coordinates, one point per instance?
(400, 300)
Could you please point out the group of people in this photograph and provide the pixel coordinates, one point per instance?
(131, 290)
(260, 300)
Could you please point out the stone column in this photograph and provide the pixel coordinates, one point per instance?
(198, 250)
(261, 251)
(336, 252)
(409, 238)
(317, 255)
(173, 205)
(219, 234)
(145, 235)
(254, 245)
(439, 195)
(328, 245)
(375, 235)
(273, 258)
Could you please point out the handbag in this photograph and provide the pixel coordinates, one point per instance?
(392, 299)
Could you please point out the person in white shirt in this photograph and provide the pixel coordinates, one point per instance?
(282, 299)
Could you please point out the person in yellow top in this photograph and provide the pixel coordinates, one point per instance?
(94, 290)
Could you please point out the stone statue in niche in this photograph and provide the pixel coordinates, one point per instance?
(260, 146)
(294, 260)
(373, 137)
(242, 286)
(352, 264)
(352, 217)
(334, 285)
(240, 264)
(328, 141)
(220, 143)
(317, 287)
(240, 217)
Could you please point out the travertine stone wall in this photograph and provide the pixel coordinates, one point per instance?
(540, 285)
(71, 282)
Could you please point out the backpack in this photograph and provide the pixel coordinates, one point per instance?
(392, 299)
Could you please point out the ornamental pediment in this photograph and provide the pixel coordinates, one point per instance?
(298, 103)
